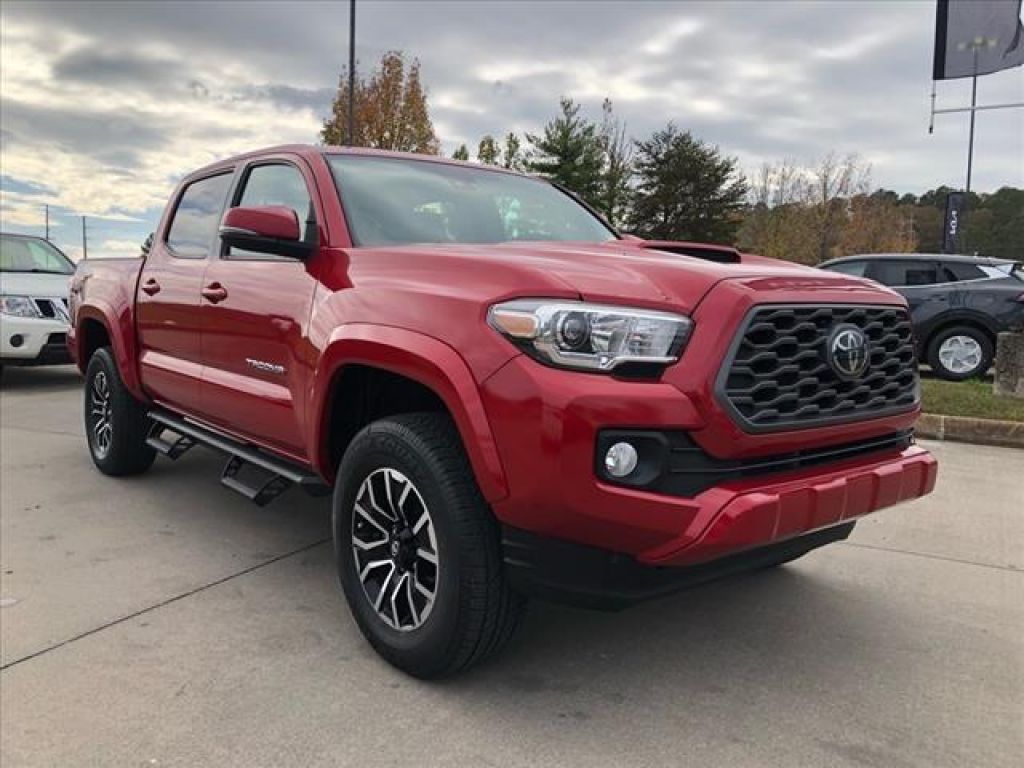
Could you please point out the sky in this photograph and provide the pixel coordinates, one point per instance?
(104, 106)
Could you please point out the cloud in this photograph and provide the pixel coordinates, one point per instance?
(107, 104)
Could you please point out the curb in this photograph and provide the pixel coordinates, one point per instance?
(1007, 434)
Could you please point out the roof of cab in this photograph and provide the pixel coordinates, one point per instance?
(309, 150)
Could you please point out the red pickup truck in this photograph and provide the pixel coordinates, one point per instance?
(508, 397)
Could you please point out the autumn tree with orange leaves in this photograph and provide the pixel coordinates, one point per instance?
(390, 110)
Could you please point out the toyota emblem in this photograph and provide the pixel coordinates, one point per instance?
(848, 351)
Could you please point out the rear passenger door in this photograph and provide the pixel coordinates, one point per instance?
(167, 298)
(255, 345)
(915, 279)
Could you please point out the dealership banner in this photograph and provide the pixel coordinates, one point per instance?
(954, 224)
(977, 37)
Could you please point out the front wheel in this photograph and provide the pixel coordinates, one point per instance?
(116, 424)
(418, 550)
(960, 353)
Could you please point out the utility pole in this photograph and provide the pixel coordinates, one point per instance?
(46, 208)
(85, 242)
(351, 72)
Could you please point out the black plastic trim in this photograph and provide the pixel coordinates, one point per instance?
(671, 463)
(567, 572)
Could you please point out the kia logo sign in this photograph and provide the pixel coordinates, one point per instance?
(848, 352)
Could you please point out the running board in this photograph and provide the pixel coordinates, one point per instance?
(259, 477)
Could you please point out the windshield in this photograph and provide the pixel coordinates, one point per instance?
(392, 201)
(32, 254)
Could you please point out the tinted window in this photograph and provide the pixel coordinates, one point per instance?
(961, 271)
(197, 216)
(855, 268)
(396, 201)
(276, 185)
(900, 273)
(25, 254)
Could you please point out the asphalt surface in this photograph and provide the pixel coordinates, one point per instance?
(164, 621)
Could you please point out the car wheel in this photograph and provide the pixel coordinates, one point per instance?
(116, 424)
(960, 353)
(418, 549)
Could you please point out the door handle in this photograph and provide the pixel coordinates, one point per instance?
(151, 287)
(214, 293)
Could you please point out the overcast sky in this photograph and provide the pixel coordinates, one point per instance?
(106, 105)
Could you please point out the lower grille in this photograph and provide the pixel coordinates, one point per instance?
(779, 375)
(672, 463)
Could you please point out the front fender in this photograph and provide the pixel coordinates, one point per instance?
(121, 331)
(423, 359)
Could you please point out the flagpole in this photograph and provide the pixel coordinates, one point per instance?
(970, 149)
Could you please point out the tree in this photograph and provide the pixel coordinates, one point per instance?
(487, 151)
(569, 153)
(685, 190)
(512, 157)
(617, 166)
(833, 180)
(390, 110)
(462, 153)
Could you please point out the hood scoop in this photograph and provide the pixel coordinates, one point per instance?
(722, 254)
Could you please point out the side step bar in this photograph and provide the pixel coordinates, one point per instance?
(259, 477)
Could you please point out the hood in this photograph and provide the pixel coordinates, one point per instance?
(617, 272)
(36, 284)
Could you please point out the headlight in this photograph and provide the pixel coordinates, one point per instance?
(591, 336)
(18, 306)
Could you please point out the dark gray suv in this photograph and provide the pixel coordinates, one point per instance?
(957, 303)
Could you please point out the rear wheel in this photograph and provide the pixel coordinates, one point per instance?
(116, 424)
(960, 352)
(418, 550)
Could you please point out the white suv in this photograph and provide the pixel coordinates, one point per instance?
(34, 277)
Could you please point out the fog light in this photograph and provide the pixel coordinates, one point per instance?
(620, 460)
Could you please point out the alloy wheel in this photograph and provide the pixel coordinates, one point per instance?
(395, 549)
(99, 412)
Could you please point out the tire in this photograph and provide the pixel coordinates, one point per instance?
(461, 609)
(116, 425)
(951, 349)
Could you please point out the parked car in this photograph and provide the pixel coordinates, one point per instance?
(957, 303)
(34, 276)
(507, 397)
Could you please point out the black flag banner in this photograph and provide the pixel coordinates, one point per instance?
(977, 37)
(953, 223)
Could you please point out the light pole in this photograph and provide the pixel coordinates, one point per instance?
(351, 72)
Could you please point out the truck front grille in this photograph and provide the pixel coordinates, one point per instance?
(778, 374)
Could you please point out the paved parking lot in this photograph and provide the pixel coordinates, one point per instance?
(165, 621)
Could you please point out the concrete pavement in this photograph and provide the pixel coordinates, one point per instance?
(163, 620)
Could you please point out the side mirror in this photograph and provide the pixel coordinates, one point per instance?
(265, 229)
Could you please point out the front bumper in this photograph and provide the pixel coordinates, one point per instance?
(546, 425)
(33, 341)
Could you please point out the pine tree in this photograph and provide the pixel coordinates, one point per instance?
(569, 153)
(685, 190)
(462, 153)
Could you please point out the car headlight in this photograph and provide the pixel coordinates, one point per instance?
(18, 306)
(591, 337)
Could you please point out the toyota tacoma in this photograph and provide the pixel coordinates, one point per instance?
(506, 397)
